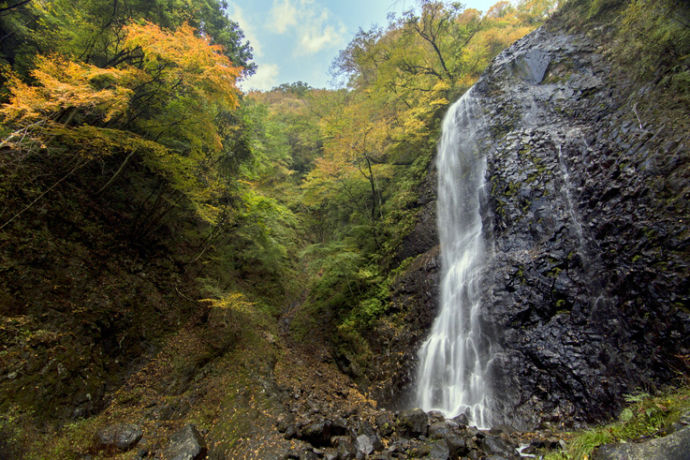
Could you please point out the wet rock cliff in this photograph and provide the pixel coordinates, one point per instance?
(587, 217)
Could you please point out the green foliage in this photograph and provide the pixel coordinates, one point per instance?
(92, 30)
(126, 151)
(334, 268)
(601, 7)
(654, 38)
(268, 229)
(649, 38)
(645, 416)
(11, 433)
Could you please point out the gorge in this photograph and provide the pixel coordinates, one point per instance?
(476, 246)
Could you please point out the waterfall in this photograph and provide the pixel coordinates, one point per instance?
(577, 225)
(452, 376)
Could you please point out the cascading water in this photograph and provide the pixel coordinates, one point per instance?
(577, 225)
(454, 360)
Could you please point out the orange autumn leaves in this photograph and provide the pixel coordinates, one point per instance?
(192, 62)
(166, 104)
(183, 62)
(65, 84)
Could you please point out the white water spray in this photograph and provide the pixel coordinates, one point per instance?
(577, 225)
(454, 360)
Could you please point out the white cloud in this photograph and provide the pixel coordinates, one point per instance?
(283, 16)
(310, 21)
(317, 35)
(265, 78)
(236, 14)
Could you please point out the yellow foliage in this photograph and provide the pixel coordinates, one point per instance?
(199, 79)
(441, 85)
(91, 142)
(440, 101)
(191, 69)
(187, 83)
(231, 301)
(468, 16)
(63, 84)
(199, 64)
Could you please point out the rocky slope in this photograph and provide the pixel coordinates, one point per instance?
(587, 287)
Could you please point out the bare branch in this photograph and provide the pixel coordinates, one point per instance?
(117, 173)
(72, 171)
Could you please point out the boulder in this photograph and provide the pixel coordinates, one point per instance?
(439, 451)
(439, 430)
(413, 422)
(364, 445)
(319, 433)
(497, 446)
(345, 447)
(186, 444)
(461, 420)
(457, 445)
(385, 423)
(122, 437)
(675, 446)
(330, 454)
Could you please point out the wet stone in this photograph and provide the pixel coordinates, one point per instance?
(414, 422)
(438, 430)
(364, 444)
(461, 420)
(457, 445)
(498, 446)
(123, 437)
(186, 444)
(320, 432)
(439, 451)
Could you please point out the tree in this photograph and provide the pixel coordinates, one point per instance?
(436, 28)
(93, 31)
(184, 84)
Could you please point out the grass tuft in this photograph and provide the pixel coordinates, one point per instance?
(646, 416)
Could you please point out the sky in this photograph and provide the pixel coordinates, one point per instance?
(297, 40)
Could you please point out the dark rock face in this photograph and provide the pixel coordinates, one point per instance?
(532, 65)
(584, 287)
(394, 341)
(424, 236)
(586, 291)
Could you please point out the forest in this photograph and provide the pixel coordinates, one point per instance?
(167, 240)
